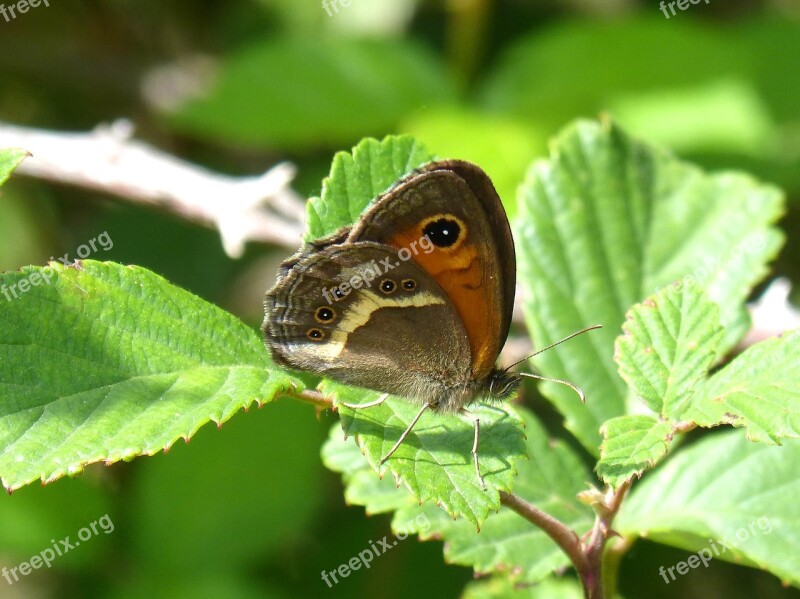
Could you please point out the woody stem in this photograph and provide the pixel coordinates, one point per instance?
(564, 537)
(586, 557)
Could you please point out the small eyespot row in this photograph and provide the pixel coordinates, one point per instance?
(324, 314)
(315, 334)
(409, 284)
(387, 286)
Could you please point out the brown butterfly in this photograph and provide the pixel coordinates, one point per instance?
(414, 299)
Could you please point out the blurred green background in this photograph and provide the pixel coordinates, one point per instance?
(248, 510)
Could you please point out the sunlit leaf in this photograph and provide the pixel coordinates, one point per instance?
(103, 362)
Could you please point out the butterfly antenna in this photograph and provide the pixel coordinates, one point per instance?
(575, 388)
(552, 345)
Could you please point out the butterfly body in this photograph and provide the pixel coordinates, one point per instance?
(414, 299)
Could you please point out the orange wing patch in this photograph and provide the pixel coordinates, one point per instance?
(458, 269)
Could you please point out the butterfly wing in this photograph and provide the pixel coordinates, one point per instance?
(396, 332)
(454, 205)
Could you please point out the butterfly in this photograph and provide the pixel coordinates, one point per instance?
(414, 299)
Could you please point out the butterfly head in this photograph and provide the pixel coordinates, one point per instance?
(502, 384)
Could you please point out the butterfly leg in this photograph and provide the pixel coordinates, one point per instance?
(405, 433)
(476, 422)
(360, 406)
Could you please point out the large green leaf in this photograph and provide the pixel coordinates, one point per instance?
(606, 222)
(9, 160)
(668, 346)
(724, 490)
(759, 390)
(358, 177)
(348, 88)
(107, 362)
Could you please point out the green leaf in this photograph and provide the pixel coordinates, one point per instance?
(759, 390)
(718, 116)
(107, 362)
(724, 489)
(701, 91)
(9, 160)
(668, 346)
(507, 543)
(435, 460)
(631, 444)
(348, 88)
(358, 177)
(590, 75)
(606, 222)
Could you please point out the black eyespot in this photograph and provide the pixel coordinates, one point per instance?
(325, 314)
(442, 232)
(409, 284)
(338, 293)
(388, 286)
(315, 334)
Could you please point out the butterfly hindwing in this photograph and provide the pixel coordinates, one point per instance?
(358, 313)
